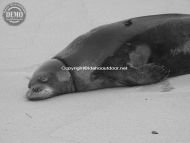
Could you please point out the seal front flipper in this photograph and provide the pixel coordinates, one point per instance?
(146, 74)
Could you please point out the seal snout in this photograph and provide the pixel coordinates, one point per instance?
(39, 92)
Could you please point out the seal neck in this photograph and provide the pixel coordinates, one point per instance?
(72, 74)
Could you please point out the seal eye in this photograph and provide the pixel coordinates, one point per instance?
(43, 78)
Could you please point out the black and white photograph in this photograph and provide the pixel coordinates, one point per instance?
(102, 71)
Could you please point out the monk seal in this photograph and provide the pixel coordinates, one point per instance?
(151, 47)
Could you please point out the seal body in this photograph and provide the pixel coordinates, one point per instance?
(151, 47)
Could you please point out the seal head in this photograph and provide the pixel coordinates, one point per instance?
(50, 80)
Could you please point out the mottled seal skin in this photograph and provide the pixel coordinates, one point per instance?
(151, 47)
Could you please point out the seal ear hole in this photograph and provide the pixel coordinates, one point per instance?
(63, 76)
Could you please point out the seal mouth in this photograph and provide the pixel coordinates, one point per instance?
(39, 93)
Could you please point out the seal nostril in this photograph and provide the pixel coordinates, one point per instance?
(36, 89)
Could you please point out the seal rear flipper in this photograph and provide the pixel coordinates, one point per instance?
(146, 74)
